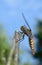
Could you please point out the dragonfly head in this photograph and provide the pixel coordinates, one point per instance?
(22, 28)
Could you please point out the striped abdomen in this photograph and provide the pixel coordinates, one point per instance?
(31, 42)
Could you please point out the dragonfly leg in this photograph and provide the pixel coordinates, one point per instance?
(21, 35)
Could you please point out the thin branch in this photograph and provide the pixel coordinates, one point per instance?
(11, 52)
(16, 48)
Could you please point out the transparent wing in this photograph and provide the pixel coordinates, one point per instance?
(26, 21)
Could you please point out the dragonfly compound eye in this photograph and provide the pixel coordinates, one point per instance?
(22, 28)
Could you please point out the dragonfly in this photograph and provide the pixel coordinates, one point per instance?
(28, 33)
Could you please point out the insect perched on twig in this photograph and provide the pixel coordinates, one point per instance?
(28, 32)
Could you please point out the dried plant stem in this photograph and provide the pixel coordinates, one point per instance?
(14, 49)
(11, 52)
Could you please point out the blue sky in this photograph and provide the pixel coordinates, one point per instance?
(11, 15)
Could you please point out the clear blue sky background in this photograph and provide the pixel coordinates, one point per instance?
(11, 15)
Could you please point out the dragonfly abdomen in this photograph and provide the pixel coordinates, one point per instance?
(31, 42)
